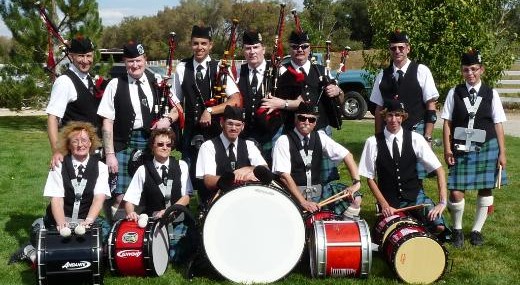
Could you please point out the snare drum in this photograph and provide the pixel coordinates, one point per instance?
(138, 251)
(69, 260)
(415, 255)
(340, 249)
(385, 225)
(323, 215)
(254, 234)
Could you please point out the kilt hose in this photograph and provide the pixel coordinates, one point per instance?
(476, 170)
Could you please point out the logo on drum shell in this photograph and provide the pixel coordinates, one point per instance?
(76, 265)
(129, 253)
(130, 237)
(342, 272)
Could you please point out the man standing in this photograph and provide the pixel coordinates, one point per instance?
(474, 145)
(228, 154)
(261, 127)
(127, 111)
(73, 97)
(391, 157)
(297, 158)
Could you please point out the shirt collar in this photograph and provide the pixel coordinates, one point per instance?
(476, 86)
(143, 79)
(300, 136)
(306, 66)
(225, 141)
(390, 137)
(76, 162)
(404, 68)
(158, 165)
(81, 75)
(204, 63)
(260, 68)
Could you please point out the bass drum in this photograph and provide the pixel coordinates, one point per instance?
(415, 255)
(254, 234)
(69, 260)
(340, 249)
(135, 251)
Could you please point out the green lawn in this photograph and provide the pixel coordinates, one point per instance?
(25, 154)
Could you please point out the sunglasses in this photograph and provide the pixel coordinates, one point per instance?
(161, 144)
(303, 118)
(303, 47)
(394, 48)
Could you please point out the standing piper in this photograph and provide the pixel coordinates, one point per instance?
(127, 111)
(474, 145)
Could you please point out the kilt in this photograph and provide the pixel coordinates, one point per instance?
(329, 168)
(267, 147)
(138, 140)
(331, 189)
(421, 171)
(476, 170)
(422, 214)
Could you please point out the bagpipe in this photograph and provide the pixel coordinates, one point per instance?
(164, 104)
(273, 120)
(99, 83)
(219, 94)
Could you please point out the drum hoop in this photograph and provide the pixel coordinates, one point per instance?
(148, 247)
(112, 246)
(408, 236)
(227, 194)
(96, 254)
(40, 265)
(366, 248)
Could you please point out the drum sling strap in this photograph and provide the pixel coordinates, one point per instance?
(309, 191)
(79, 185)
(470, 134)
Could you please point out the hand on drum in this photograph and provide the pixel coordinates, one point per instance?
(388, 211)
(243, 175)
(158, 214)
(436, 212)
(133, 216)
(310, 206)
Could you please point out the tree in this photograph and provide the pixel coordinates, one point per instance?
(30, 39)
(441, 30)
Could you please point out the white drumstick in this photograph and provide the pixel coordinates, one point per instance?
(79, 230)
(142, 221)
(65, 232)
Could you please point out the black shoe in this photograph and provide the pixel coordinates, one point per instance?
(476, 238)
(18, 256)
(457, 238)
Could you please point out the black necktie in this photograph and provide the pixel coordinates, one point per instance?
(395, 151)
(142, 97)
(302, 70)
(198, 75)
(80, 173)
(164, 174)
(254, 82)
(306, 144)
(472, 95)
(91, 85)
(231, 153)
(400, 78)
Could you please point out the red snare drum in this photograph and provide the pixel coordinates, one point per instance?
(69, 260)
(138, 251)
(385, 225)
(415, 254)
(340, 249)
(323, 215)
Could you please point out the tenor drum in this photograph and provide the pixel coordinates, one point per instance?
(254, 234)
(415, 255)
(385, 225)
(340, 249)
(69, 260)
(138, 251)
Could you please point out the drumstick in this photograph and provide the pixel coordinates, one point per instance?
(328, 201)
(499, 179)
(333, 196)
(414, 207)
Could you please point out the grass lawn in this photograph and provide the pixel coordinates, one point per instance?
(25, 154)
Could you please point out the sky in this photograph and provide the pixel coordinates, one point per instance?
(113, 11)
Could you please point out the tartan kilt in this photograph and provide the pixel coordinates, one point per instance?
(329, 168)
(333, 188)
(138, 140)
(421, 171)
(476, 170)
(422, 214)
(267, 147)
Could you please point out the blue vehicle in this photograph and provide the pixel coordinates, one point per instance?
(357, 86)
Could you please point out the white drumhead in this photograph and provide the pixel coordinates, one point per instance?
(160, 249)
(254, 234)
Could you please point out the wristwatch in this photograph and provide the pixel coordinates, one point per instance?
(210, 110)
(355, 181)
(428, 138)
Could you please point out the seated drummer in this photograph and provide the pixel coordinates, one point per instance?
(79, 175)
(159, 183)
(229, 156)
(391, 156)
(297, 158)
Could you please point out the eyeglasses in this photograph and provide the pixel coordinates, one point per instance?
(303, 118)
(303, 47)
(161, 144)
(394, 48)
(234, 124)
(470, 69)
(82, 141)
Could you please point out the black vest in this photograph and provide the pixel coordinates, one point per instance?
(392, 187)
(152, 198)
(67, 172)
(86, 105)
(483, 117)
(310, 90)
(194, 103)
(125, 114)
(297, 165)
(409, 93)
(222, 159)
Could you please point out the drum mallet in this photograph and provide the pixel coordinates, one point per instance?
(65, 232)
(143, 220)
(79, 230)
(414, 207)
